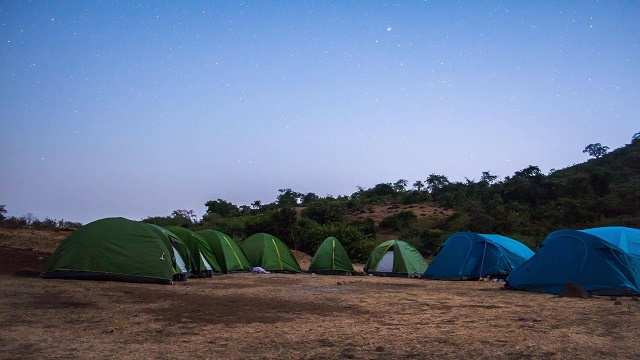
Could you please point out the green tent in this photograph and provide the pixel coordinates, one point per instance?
(112, 249)
(228, 253)
(181, 257)
(395, 258)
(331, 258)
(269, 253)
(203, 260)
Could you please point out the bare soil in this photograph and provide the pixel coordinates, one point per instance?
(282, 316)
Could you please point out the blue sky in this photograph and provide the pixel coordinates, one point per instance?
(137, 109)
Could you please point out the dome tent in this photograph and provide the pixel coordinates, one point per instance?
(228, 253)
(395, 258)
(203, 260)
(603, 261)
(269, 253)
(331, 258)
(467, 255)
(112, 249)
(181, 258)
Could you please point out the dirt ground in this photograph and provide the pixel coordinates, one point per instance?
(282, 316)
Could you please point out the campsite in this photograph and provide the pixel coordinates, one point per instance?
(294, 316)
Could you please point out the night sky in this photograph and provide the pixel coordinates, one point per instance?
(135, 110)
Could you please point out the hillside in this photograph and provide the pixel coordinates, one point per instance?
(526, 206)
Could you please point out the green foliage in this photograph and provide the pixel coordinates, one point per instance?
(599, 179)
(399, 220)
(415, 197)
(32, 222)
(488, 178)
(309, 198)
(425, 239)
(221, 208)
(400, 185)
(596, 150)
(15, 223)
(182, 218)
(326, 211)
(188, 215)
(46, 224)
(437, 184)
(2, 212)
(289, 198)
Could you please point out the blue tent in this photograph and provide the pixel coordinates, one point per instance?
(467, 255)
(604, 261)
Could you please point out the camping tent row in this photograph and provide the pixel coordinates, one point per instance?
(125, 250)
(601, 260)
(121, 249)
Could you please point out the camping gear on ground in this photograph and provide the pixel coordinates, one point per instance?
(113, 249)
(331, 258)
(603, 261)
(204, 262)
(259, 270)
(395, 258)
(269, 253)
(467, 255)
(228, 253)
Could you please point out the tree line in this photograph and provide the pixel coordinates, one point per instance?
(526, 206)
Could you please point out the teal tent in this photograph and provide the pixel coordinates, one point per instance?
(113, 249)
(269, 253)
(467, 255)
(331, 258)
(603, 261)
(203, 260)
(228, 253)
(395, 258)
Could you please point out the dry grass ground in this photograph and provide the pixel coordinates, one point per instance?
(280, 316)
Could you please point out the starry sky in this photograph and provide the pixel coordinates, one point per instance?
(137, 109)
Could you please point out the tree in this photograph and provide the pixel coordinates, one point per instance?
(2, 212)
(437, 182)
(529, 172)
(418, 185)
(256, 204)
(400, 185)
(288, 198)
(383, 189)
(635, 137)
(487, 178)
(308, 198)
(186, 214)
(221, 208)
(596, 150)
(326, 211)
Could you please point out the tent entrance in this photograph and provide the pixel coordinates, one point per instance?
(208, 266)
(179, 261)
(386, 263)
(181, 268)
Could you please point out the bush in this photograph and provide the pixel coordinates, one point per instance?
(399, 220)
(15, 223)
